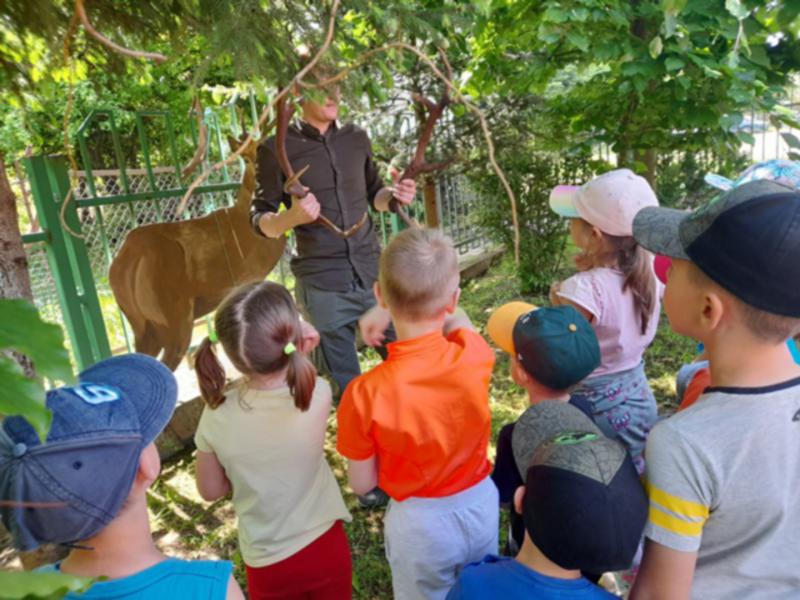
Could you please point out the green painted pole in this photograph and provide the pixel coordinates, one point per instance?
(83, 276)
(49, 185)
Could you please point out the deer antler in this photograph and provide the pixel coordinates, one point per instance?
(418, 165)
(293, 185)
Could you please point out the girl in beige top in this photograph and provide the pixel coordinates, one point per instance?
(264, 442)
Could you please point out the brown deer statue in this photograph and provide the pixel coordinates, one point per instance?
(166, 275)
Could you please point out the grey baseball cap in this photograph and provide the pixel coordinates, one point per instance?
(747, 240)
(584, 505)
(70, 487)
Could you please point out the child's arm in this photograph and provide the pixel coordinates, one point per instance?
(212, 482)
(458, 320)
(557, 300)
(234, 591)
(363, 475)
(664, 573)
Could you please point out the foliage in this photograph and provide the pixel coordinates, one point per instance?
(22, 330)
(651, 74)
(41, 586)
(680, 175)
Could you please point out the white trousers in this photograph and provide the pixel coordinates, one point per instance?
(429, 540)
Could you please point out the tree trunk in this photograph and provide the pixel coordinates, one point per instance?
(14, 279)
(649, 158)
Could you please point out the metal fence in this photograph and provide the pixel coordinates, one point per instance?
(69, 275)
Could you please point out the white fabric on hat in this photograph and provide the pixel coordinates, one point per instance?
(611, 201)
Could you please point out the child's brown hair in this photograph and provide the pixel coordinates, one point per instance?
(636, 264)
(259, 328)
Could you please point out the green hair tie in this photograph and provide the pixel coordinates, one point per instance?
(212, 337)
(289, 348)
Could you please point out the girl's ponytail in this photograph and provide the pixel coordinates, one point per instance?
(210, 374)
(301, 377)
(636, 264)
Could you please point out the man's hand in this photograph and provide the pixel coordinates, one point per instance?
(309, 337)
(305, 210)
(373, 325)
(405, 190)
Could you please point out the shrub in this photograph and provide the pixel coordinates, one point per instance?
(543, 234)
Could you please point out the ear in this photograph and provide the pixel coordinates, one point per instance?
(519, 495)
(149, 468)
(233, 143)
(453, 304)
(376, 289)
(714, 309)
(518, 374)
(596, 234)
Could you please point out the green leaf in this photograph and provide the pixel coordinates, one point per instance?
(656, 46)
(673, 6)
(30, 585)
(736, 9)
(791, 140)
(746, 137)
(23, 396)
(578, 40)
(673, 63)
(22, 329)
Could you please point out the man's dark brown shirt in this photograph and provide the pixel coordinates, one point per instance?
(344, 178)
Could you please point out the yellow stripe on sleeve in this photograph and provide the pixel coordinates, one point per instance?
(674, 524)
(675, 504)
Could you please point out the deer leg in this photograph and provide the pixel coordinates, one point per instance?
(147, 341)
(178, 338)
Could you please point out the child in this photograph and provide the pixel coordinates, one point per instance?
(419, 423)
(263, 440)
(583, 507)
(88, 484)
(617, 292)
(551, 349)
(722, 474)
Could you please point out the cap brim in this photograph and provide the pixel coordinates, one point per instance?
(501, 324)
(147, 383)
(562, 200)
(718, 181)
(542, 422)
(658, 230)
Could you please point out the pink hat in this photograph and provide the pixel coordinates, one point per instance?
(609, 202)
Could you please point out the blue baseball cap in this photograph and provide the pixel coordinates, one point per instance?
(74, 484)
(747, 240)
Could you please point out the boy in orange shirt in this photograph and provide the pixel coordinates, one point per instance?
(418, 424)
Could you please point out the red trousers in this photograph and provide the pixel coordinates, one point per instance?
(322, 570)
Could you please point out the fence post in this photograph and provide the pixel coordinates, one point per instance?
(68, 259)
(429, 196)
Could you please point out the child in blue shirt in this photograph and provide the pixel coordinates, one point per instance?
(583, 506)
(89, 479)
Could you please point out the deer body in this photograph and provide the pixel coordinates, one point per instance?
(166, 275)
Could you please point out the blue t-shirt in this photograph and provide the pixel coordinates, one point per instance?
(502, 577)
(172, 579)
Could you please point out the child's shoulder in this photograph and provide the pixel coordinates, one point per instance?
(473, 344)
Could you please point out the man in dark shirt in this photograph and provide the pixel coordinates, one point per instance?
(334, 275)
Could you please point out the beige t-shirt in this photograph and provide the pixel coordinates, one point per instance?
(284, 492)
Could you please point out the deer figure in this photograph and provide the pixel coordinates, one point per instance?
(166, 275)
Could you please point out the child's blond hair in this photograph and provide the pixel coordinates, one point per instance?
(419, 273)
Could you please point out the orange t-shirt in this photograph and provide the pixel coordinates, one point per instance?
(696, 387)
(424, 412)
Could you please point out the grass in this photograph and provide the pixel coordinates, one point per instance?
(186, 526)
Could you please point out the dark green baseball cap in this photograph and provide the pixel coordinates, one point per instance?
(555, 345)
